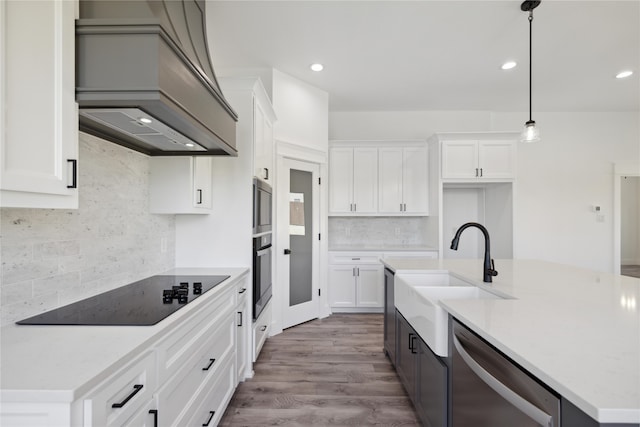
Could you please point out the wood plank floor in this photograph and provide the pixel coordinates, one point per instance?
(630, 270)
(329, 372)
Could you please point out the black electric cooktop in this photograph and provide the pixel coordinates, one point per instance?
(141, 303)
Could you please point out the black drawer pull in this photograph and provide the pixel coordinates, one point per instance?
(243, 290)
(211, 362)
(412, 346)
(155, 416)
(240, 313)
(136, 389)
(264, 328)
(211, 414)
(199, 191)
(74, 173)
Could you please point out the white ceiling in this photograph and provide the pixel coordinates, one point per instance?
(439, 55)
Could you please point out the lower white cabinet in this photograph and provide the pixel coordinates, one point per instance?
(356, 281)
(184, 376)
(123, 395)
(261, 328)
(243, 335)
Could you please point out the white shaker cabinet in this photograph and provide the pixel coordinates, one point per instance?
(353, 180)
(356, 281)
(180, 185)
(403, 180)
(254, 132)
(263, 143)
(39, 141)
(478, 160)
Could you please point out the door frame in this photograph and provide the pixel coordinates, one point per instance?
(285, 150)
(620, 171)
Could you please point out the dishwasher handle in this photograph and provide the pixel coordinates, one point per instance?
(509, 395)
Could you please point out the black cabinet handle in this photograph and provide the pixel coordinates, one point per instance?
(264, 328)
(211, 362)
(412, 346)
(287, 251)
(155, 416)
(240, 313)
(199, 202)
(211, 414)
(136, 389)
(242, 291)
(74, 173)
(266, 173)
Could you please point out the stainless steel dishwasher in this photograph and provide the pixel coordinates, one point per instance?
(489, 390)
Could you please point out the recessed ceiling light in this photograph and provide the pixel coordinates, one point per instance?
(317, 67)
(508, 65)
(623, 74)
(145, 120)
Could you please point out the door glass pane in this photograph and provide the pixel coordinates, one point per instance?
(300, 237)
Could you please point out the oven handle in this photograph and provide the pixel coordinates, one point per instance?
(509, 395)
(263, 251)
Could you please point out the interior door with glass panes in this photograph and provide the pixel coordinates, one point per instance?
(300, 258)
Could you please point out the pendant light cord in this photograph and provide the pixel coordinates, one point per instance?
(530, 61)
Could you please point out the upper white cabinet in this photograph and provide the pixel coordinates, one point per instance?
(403, 181)
(254, 138)
(39, 138)
(370, 178)
(263, 143)
(180, 185)
(353, 180)
(478, 159)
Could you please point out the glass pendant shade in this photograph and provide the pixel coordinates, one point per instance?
(530, 133)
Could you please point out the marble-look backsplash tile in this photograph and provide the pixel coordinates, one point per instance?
(51, 257)
(377, 231)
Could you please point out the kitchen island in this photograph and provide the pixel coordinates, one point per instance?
(576, 330)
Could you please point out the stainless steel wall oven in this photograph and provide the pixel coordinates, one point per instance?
(262, 207)
(261, 273)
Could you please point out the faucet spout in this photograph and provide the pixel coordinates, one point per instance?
(489, 268)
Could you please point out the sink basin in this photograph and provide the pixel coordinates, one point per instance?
(417, 298)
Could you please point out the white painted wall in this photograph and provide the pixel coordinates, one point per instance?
(303, 112)
(630, 221)
(223, 238)
(558, 179)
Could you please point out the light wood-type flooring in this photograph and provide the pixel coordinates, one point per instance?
(329, 372)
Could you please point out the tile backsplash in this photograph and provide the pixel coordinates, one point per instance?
(377, 232)
(51, 257)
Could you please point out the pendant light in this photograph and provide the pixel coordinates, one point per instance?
(530, 133)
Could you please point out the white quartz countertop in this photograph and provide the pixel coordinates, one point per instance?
(577, 330)
(60, 363)
(379, 248)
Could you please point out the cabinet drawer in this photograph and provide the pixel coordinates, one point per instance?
(184, 389)
(216, 395)
(128, 390)
(179, 345)
(354, 257)
(261, 329)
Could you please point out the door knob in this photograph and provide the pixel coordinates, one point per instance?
(287, 251)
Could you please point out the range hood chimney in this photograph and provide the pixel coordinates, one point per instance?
(144, 78)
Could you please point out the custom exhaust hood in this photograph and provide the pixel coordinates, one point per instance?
(144, 79)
